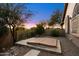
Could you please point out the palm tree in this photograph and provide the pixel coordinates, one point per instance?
(13, 14)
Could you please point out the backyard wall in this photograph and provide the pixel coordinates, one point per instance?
(5, 41)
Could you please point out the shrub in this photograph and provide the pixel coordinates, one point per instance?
(55, 32)
(20, 31)
(33, 33)
(24, 34)
(28, 33)
(40, 29)
(62, 32)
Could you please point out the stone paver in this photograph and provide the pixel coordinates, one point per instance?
(44, 41)
(56, 49)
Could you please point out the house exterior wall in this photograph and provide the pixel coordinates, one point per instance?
(73, 23)
(69, 13)
(70, 9)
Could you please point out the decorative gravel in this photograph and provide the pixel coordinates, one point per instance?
(17, 50)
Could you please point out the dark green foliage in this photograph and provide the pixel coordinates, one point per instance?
(25, 33)
(55, 18)
(28, 33)
(19, 28)
(40, 29)
(19, 33)
(55, 32)
(33, 32)
(3, 30)
(62, 32)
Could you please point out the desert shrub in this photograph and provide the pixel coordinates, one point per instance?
(24, 34)
(3, 30)
(55, 32)
(20, 33)
(32, 33)
(28, 33)
(62, 32)
(40, 29)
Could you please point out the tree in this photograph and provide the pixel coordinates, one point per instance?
(13, 15)
(55, 18)
(40, 29)
(43, 23)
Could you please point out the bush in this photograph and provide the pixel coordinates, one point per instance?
(3, 30)
(55, 32)
(33, 31)
(62, 32)
(28, 33)
(40, 29)
(25, 33)
(20, 31)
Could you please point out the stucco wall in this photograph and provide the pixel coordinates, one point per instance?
(70, 9)
(74, 24)
(5, 41)
(69, 13)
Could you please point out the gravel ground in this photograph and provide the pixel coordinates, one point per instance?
(17, 50)
(20, 50)
(68, 49)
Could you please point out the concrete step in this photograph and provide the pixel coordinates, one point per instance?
(32, 52)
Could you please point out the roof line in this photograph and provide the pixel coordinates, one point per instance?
(65, 9)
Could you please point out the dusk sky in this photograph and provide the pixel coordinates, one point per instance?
(43, 11)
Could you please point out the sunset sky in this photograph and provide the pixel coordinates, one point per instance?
(42, 11)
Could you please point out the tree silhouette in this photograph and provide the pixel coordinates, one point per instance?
(13, 14)
(56, 17)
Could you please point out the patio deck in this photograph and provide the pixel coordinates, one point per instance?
(43, 41)
(51, 44)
